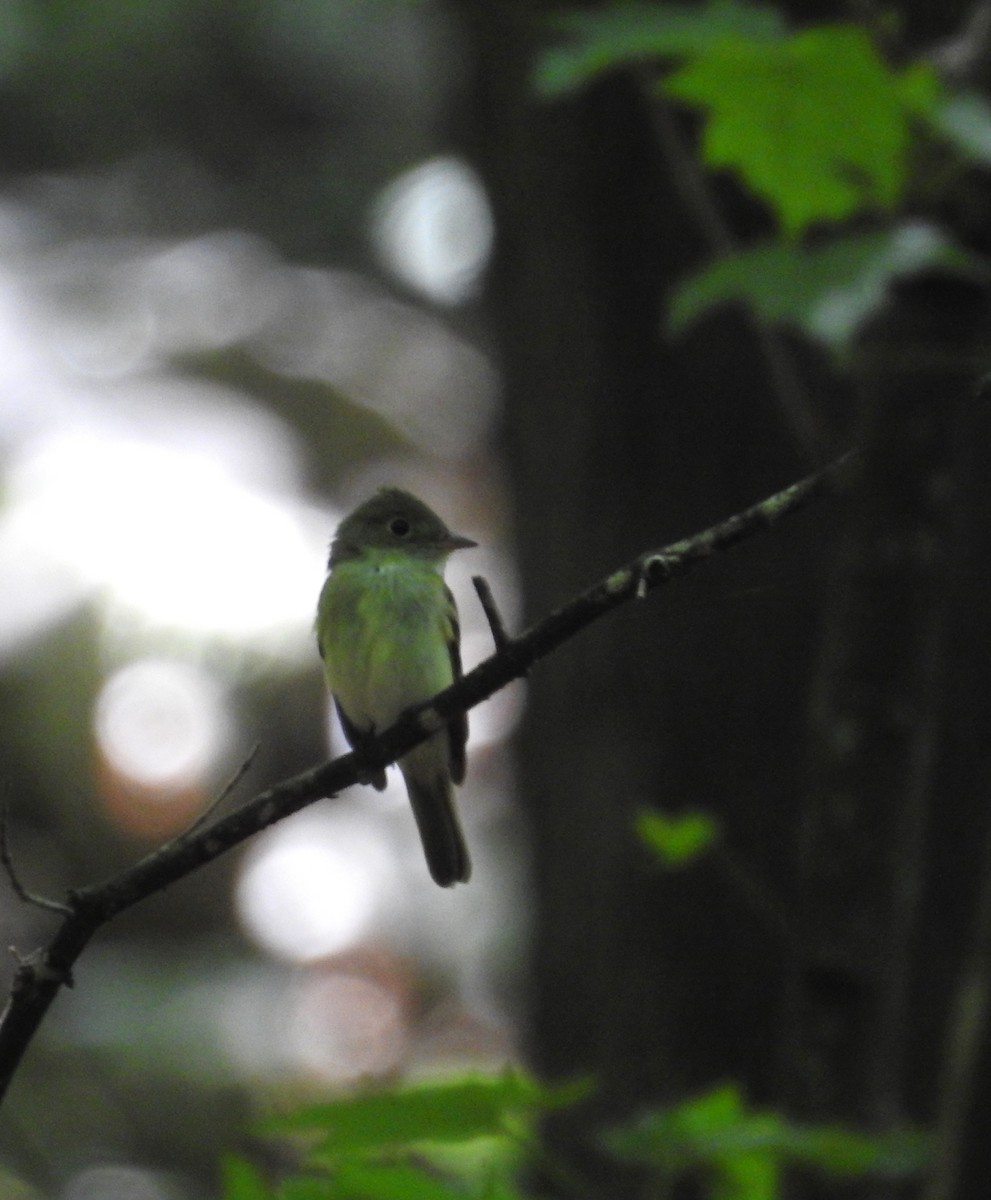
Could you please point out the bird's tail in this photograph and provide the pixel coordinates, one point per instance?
(431, 793)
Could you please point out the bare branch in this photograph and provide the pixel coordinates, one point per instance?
(41, 975)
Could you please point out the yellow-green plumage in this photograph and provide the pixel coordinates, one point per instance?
(388, 633)
(385, 634)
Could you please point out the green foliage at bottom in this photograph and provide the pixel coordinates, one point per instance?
(741, 1153)
(471, 1138)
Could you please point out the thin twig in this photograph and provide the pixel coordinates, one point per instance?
(499, 635)
(19, 889)
(786, 385)
(228, 787)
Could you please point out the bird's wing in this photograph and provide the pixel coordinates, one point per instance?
(458, 728)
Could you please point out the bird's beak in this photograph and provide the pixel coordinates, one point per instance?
(456, 542)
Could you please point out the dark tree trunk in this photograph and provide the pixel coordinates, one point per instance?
(618, 440)
(891, 826)
(846, 1002)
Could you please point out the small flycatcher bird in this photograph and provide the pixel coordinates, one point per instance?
(387, 630)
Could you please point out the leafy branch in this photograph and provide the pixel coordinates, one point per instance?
(840, 141)
(42, 974)
(466, 1138)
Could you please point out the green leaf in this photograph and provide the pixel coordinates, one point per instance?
(747, 1177)
(826, 291)
(307, 1187)
(679, 840)
(449, 1111)
(846, 1152)
(501, 1186)
(242, 1180)
(673, 1136)
(817, 124)
(602, 39)
(716, 1130)
(712, 1132)
(430, 1174)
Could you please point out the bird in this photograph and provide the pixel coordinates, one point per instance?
(388, 633)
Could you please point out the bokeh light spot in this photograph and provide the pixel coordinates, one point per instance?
(167, 534)
(161, 723)
(345, 1026)
(118, 1182)
(309, 886)
(433, 229)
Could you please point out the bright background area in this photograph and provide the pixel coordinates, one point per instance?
(239, 263)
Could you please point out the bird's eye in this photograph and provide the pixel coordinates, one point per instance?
(399, 526)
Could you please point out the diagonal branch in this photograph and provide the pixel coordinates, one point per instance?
(41, 975)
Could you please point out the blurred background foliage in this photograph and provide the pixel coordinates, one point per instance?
(257, 258)
(239, 267)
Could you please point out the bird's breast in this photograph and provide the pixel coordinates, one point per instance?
(384, 633)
